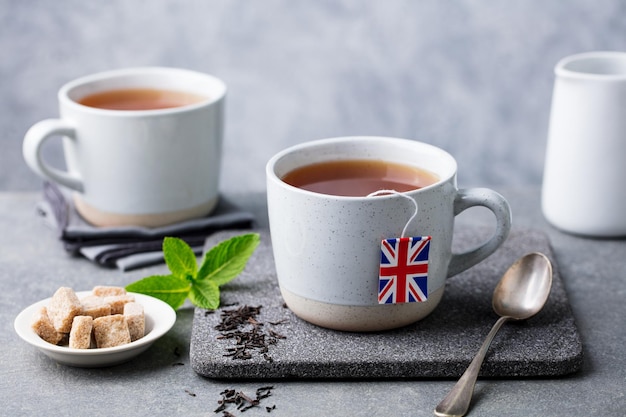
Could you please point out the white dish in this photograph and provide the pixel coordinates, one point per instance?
(160, 318)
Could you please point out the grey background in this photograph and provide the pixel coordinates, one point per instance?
(473, 77)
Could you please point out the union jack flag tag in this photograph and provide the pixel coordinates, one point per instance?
(403, 276)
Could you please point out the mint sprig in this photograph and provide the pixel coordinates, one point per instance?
(220, 265)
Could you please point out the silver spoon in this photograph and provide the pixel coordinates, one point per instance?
(521, 293)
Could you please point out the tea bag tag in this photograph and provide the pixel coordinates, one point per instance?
(403, 272)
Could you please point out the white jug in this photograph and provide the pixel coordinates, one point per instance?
(584, 184)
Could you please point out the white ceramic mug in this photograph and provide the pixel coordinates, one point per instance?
(327, 248)
(584, 189)
(136, 167)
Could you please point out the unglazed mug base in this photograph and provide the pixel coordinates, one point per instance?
(360, 318)
(101, 218)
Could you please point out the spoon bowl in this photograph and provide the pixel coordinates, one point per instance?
(524, 288)
(521, 293)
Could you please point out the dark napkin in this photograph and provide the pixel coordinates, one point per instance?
(131, 247)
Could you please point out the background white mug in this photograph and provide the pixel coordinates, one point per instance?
(584, 185)
(327, 247)
(136, 167)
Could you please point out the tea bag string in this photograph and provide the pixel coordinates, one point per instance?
(383, 192)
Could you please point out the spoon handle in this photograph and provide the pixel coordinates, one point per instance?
(457, 402)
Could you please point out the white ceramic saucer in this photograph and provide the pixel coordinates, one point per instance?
(160, 318)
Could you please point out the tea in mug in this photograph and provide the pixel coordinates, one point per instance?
(358, 177)
(140, 99)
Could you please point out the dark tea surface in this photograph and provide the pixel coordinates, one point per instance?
(140, 99)
(358, 177)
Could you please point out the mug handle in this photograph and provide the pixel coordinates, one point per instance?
(490, 199)
(31, 149)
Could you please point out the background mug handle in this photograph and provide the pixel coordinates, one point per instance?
(31, 149)
(490, 199)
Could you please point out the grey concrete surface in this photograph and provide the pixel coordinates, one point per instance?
(161, 381)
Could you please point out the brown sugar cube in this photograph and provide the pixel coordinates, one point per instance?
(135, 319)
(106, 291)
(65, 340)
(44, 328)
(111, 331)
(117, 302)
(80, 335)
(95, 306)
(63, 307)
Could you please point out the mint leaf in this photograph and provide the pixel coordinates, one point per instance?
(180, 258)
(226, 260)
(169, 288)
(205, 294)
(220, 265)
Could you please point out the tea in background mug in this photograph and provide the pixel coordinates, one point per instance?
(142, 145)
(583, 186)
(327, 248)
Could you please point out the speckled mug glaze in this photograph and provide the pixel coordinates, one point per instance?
(327, 247)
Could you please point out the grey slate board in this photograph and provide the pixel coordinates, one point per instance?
(441, 345)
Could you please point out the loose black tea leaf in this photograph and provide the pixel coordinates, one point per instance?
(249, 334)
(241, 401)
(264, 392)
(276, 334)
